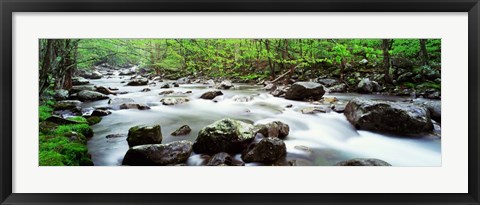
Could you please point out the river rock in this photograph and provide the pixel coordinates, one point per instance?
(166, 92)
(435, 108)
(270, 87)
(226, 135)
(101, 112)
(183, 130)
(220, 159)
(384, 116)
(78, 88)
(184, 80)
(243, 98)
(138, 82)
(158, 154)
(209, 82)
(367, 86)
(86, 95)
(79, 81)
(140, 135)
(268, 150)
(73, 105)
(328, 82)
(92, 75)
(363, 162)
(275, 129)
(211, 94)
(280, 91)
(104, 90)
(173, 100)
(139, 106)
(305, 90)
(146, 90)
(226, 84)
(60, 94)
(340, 88)
(165, 85)
(118, 101)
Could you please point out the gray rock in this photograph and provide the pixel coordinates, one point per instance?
(60, 94)
(268, 150)
(158, 154)
(140, 135)
(183, 130)
(275, 129)
(79, 81)
(138, 82)
(384, 116)
(211, 94)
(86, 95)
(305, 90)
(363, 162)
(226, 135)
(174, 100)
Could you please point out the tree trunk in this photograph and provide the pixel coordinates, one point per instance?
(272, 68)
(386, 60)
(423, 51)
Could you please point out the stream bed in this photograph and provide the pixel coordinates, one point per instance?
(319, 139)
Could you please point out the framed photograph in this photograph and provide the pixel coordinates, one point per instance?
(189, 102)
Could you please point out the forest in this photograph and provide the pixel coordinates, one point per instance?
(109, 101)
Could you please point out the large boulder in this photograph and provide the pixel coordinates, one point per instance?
(158, 154)
(140, 135)
(138, 82)
(363, 162)
(78, 88)
(275, 129)
(305, 90)
(384, 116)
(226, 135)
(211, 94)
(268, 150)
(87, 95)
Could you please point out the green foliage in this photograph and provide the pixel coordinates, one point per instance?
(44, 112)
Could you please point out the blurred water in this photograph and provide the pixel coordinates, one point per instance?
(314, 139)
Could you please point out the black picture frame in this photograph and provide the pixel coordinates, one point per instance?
(9, 6)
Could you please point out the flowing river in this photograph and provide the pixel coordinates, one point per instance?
(320, 139)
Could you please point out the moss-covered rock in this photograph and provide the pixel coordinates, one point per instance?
(140, 135)
(92, 120)
(226, 135)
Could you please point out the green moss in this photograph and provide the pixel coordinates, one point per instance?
(78, 119)
(80, 128)
(59, 151)
(44, 112)
(94, 120)
(51, 158)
